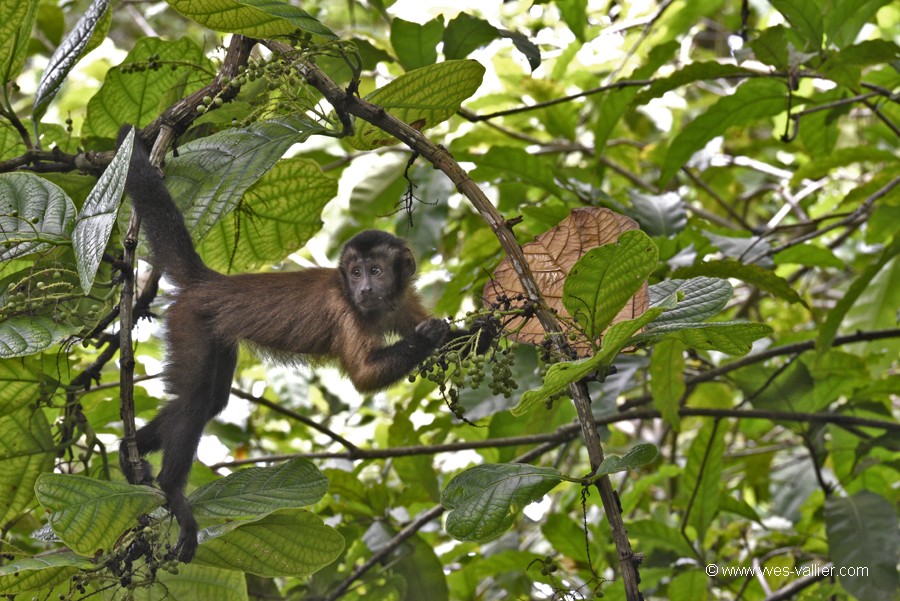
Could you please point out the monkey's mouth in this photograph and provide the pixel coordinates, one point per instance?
(373, 304)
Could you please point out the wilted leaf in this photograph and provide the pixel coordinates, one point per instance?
(552, 256)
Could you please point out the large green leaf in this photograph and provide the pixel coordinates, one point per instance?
(692, 300)
(40, 573)
(21, 382)
(753, 100)
(466, 33)
(90, 515)
(26, 451)
(667, 379)
(805, 16)
(505, 164)
(659, 214)
(98, 215)
(605, 278)
(134, 92)
(210, 175)
(290, 542)
(424, 97)
(843, 19)
(416, 45)
(701, 484)
(829, 329)
(67, 54)
(484, 500)
(280, 213)
(193, 582)
(16, 22)
(862, 533)
(253, 18)
(258, 491)
(560, 375)
(25, 335)
(760, 277)
(731, 337)
(34, 214)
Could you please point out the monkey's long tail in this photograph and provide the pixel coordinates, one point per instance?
(162, 222)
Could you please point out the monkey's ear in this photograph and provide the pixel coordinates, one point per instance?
(407, 263)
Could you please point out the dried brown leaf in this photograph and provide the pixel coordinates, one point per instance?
(551, 257)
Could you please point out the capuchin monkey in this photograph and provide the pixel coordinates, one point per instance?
(340, 314)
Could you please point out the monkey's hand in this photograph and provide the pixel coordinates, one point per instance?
(434, 330)
(487, 329)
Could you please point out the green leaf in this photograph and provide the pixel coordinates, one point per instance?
(26, 451)
(211, 174)
(66, 56)
(25, 335)
(416, 45)
(90, 515)
(693, 300)
(574, 13)
(656, 534)
(840, 157)
(426, 97)
(731, 337)
(659, 214)
(753, 100)
(701, 480)
(752, 274)
(688, 586)
(667, 379)
(862, 531)
(98, 215)
(40, 573)
(810, 255)
(829, 329)
(843, 19)
(465, 33)
(640, 454)
(604, 279)
(134, 93)
(699, 71)
(505, 164)
(258, 491)
(484, 500)
(280, 213)
(16, 22)
(290, 542)
(253, 18)
(805, 16)
(193, 582)
(560, 375)
(34, 215)
(422, 570)
(20, 384)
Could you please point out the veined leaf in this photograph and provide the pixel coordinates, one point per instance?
(752, 100)
(34, 214)
(484, 500)
(760, 277)
(424, 97)
(290, 542)
(731, 337)
(253, 18)
(25, 335)
(16, 22)
(258, 491)
(695, 300)
(211, 174)
(26, 448)
(27, 574)
(98, 215)
(605, 278)
(667, 379)
(638, 455)
(66, 55)
(862, 531)
(88, 514)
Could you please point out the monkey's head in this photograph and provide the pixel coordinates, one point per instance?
(376, 268)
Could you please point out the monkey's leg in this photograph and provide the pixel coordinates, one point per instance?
(148, 440)
(199, 374)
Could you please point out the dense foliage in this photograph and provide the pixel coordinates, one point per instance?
(707, 195)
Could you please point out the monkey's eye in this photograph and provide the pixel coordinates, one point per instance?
(375, 271)
(356, 272)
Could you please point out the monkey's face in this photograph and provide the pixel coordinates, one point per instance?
(372, 283)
